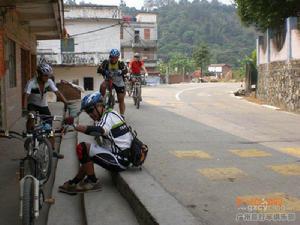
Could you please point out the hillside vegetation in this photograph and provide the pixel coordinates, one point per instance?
(185, 25)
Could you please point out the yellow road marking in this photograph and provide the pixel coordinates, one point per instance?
(222, 173)
(286, 169)
(250, 153)
(270, 202)
(192, 154)
(153, 102)
(291, 151)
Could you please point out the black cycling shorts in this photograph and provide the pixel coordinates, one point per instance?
(41, 110)
(119, 90)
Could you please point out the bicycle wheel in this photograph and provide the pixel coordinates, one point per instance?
(134, 95)
(44, 160)
(28, 204)
(138, 97)
(129, 89)
(27, 167)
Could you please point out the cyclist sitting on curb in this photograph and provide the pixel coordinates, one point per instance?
(35, 98)
(135, 67)
(113, 157)
(108, 66)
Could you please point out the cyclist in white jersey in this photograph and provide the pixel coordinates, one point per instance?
(113, 157)
(35, 97)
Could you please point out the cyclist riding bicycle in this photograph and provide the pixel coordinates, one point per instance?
(135, 67)
(113, 64)
(35, 97)
(110, 156)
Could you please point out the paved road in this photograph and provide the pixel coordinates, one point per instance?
(227, 160)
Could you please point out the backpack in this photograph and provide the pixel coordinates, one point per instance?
(138, 150)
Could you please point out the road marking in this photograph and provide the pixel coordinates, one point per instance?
(177, 96)
(291, 151)
(271, 107)
(286, 169)
(229, 173)
(153, 102)
(191, 154)
(270, 202)
(250, 153)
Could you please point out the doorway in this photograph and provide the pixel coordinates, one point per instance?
(88, 83)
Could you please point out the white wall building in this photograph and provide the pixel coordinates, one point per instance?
(93, 31)
(139, 34)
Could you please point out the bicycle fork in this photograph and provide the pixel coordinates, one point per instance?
(36, 184)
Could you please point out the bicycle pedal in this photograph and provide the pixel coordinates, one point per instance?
(50, 201)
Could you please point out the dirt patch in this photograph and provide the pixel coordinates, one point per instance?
(254, 100)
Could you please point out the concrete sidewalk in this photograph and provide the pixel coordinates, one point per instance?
(147, 202)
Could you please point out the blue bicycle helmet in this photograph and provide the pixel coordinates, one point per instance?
(114, 53)
(90, 100)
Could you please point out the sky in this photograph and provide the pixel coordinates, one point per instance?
(131, 3)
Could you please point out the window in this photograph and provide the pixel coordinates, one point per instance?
(136, 36)
(10, 60)
(67, 45)
(147, 34)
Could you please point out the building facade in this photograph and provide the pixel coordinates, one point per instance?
(22, 23)
(278, 62)
(139, 35)
(220, 70)
(93, 31)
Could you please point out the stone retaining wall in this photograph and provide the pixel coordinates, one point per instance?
(279, 84)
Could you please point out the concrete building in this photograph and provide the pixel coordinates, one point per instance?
(22, 23)
(139, 34)
(278, 62)
(220, 70)
(93, 31)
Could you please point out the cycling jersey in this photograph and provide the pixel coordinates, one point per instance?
(106, 67)
(35, 96)
(116, 130)
(136, 66)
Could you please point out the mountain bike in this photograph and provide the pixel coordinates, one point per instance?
(128, 86)
(110, 95)
(34, 168)
(136, 90)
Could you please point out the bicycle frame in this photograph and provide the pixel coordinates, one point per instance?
(136, 90)
(109, 92)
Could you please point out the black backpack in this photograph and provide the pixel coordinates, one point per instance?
(138, 150)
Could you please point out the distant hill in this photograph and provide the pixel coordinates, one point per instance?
(183, 25)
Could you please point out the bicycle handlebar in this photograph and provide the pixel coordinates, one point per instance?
(45, 117)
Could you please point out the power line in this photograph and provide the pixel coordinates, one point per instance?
(92, 31)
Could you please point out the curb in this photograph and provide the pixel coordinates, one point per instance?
(151, 204)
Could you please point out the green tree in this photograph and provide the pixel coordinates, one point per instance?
(201, 56)
(181, 63)
(265, 14)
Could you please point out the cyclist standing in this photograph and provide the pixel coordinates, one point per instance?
(111, 65)
(35, 98)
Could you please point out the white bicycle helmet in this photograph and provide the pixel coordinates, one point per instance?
(44, 69)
